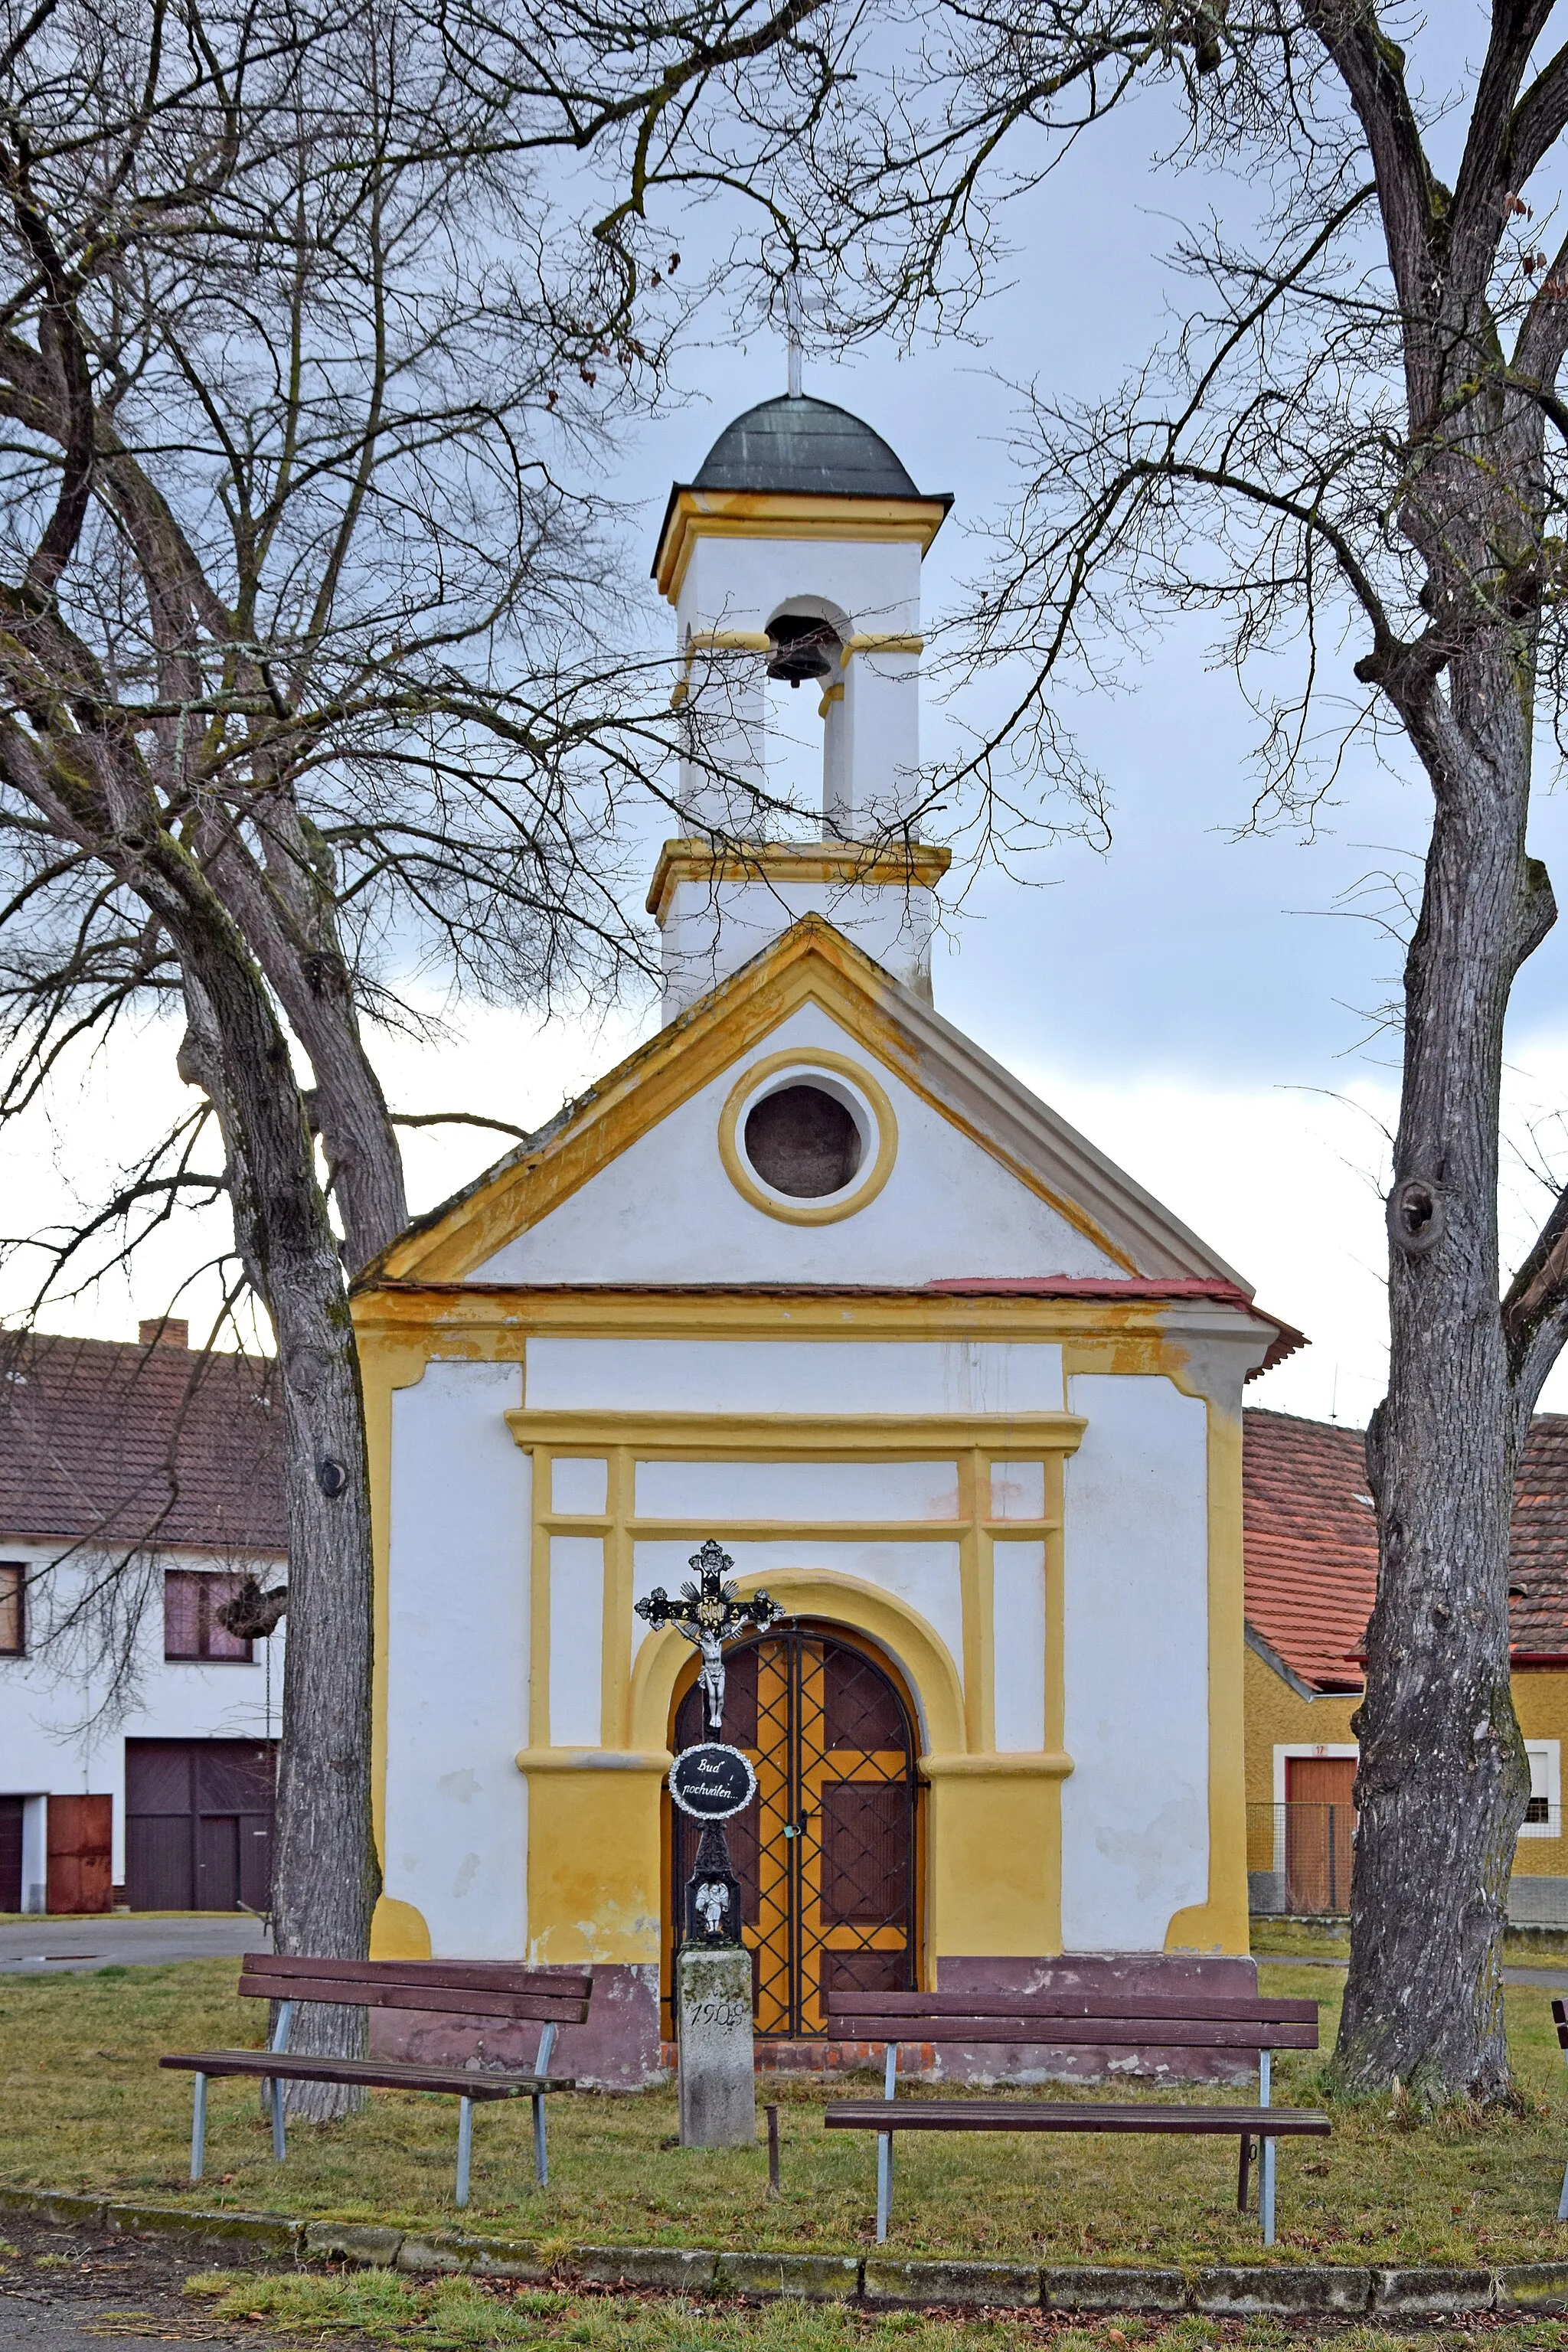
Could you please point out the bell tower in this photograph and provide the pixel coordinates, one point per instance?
(793, 558)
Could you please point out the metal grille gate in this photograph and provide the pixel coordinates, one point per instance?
(826, 1857)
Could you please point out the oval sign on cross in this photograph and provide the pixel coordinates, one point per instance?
(711, 1782)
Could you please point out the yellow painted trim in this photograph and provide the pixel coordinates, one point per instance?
(871, 641)
(657, 1761)
(542, 1501)
(728, 641)
(916, 864)
(486, 1322)
(1006, 1764)
(618, 1541)
(764, 514)
(398, 1932)
(785, 1436)
(921, 1654)
(831, 1210)
(811, 964)
(831, 695)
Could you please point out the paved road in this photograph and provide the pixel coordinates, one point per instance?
(123, 1939)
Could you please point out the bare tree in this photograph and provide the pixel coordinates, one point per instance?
(314, 669)
(1356, 436)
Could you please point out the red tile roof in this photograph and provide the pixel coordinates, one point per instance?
(1311, 1545)
(106, 1443)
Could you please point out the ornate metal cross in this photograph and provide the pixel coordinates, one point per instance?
(710, 1613)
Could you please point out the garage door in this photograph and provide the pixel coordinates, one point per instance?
(198, 1824)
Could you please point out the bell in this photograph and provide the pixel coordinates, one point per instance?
(804, 647)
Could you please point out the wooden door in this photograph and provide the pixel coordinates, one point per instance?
(11, 1853)
(1319, 1832)
(79, 1876)
(825, 1857)
(198, 1824)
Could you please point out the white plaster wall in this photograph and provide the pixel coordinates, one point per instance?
(924, 1576)
(576, 1641)
(1135, 1807)
(800, 1376)
(796, 1491)
(741, 583)
(54, 1735)
(710, 930)
(665, 1210)
(457, 1661)
(1018, 1646)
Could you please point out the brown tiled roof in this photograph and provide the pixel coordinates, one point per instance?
(1311, 1545)
(106, 1443)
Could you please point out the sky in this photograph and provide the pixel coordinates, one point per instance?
(1202, 1003)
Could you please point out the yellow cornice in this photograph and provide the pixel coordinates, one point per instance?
(774, 514)
(786, 1436)
(914, 865)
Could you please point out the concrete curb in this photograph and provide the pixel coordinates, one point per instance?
(1265, 2290)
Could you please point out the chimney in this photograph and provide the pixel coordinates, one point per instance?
(164, 1331)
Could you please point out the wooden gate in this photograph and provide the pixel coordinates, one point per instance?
(1319, 1832)
(826, 1857)
(198, 1824)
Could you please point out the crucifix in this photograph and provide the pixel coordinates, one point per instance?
(710, 1613)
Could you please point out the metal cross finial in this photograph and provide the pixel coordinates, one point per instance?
(710, 1613)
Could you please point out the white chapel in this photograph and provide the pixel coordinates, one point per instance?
(810, 1275)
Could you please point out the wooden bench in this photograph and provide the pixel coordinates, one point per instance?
(1193, 2020)
(476, 1988)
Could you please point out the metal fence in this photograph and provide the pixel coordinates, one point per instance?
(1299, 1857)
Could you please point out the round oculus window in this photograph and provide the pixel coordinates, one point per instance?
(802, 1141)
(808, 1138)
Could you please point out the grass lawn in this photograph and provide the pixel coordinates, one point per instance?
(458, 2315)
(86, 2105)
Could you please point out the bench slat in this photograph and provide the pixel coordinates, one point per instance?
(1073, 2004)
(372, 2074)
(1053, 2032)
(357, 1993)
(471, 1975)
(1008, 2114)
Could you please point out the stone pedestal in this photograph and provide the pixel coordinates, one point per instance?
(713, 2047)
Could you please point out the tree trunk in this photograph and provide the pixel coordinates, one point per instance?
(1443, 1783)
(324, 1873)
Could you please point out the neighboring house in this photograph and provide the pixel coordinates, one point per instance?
(811, 1274)
(1311, 1576)
(139, 1490)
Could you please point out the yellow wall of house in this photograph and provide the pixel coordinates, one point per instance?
(1277, 1717)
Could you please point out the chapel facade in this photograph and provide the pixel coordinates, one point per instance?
(810, 1275)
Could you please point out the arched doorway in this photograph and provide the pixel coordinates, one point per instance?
(826, 1856)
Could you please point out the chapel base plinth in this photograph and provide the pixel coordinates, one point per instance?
(714, 2055)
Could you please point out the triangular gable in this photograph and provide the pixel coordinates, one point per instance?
(810, 964)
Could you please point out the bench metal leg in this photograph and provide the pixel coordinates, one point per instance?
(1244, 2172)
(541, 2159)
(279, 2141)
(1562, 2201)
(885, 2148)
(465, 2147)
(1266, 2148)
(198, 2125)
(884, 2184)
(1266, 2192)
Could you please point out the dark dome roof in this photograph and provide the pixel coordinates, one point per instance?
(800, 444)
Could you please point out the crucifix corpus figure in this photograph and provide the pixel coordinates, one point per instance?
(710, 1613)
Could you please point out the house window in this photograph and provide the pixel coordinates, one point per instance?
(191, 1599)
(1543, 1814)
(13, 1609)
